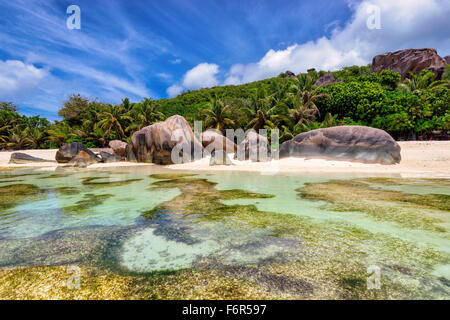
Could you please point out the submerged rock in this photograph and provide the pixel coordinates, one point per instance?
(352, 143)
(71, 150)
(22, 158)
(254, 147)
(156, 142)
(214, 140)
(219, 157)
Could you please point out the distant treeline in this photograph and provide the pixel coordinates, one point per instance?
(417, 107)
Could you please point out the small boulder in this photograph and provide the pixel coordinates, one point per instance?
(219, 157)
(119, 148)
(83, 159)
(213, 140)
(109, 157)
(22, 158)
(327, 79)
(70, 150)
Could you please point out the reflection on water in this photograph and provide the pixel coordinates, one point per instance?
(49, 218)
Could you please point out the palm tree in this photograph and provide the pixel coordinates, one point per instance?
(110, 121)
(304, 109)
(144, 114)
(421, 81)
(19, 139)
(59, 133)
(217, 115)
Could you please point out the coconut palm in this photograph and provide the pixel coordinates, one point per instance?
(20, 139)
(111, 121)
(421, 81)
(144, 114)
(59, 133)
(217, 115)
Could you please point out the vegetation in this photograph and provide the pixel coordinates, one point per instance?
(417, 107)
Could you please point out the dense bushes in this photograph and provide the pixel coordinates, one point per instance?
(415, 107)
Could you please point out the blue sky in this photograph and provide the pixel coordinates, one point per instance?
(157, 49)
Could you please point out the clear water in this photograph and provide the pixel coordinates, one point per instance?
(104, 212)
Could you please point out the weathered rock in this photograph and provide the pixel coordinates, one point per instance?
(327, 79)
(22, 158)
(447, 59)
(289, 74)
(109, 157)
(213, 140)
(70, 150)
(410, 60)
(351, 143)
(219, 157)
(119, 148)
(131, 156)
(156, 142)
(254, 147)
(83, 159)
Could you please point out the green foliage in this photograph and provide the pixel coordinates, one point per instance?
(416, 105)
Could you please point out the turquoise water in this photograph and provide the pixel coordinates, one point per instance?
(83, 214)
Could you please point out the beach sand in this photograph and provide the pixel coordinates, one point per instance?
(428, 159)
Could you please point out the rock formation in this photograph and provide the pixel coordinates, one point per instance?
(447, 59)
(119, 148)
(109, 157)
(156, 142)
(254, 147)
(351, 143)
(82, 160)
(71, 150)
(213, 140)
(22, 158)
(328, 78)
(410, 60)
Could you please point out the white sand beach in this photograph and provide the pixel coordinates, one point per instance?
(419, 159)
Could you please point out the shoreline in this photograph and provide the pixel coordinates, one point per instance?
(429, 159)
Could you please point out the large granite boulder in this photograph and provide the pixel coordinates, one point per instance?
(214, 140)
(119, 148)
(327, 79)
(410, 60)
(254, 147)
(156, 142)
(22, 158)
(351, 143)
(447, 59)
(70, 150)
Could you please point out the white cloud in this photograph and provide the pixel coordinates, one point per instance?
(175, 61)
(174, 90)
(201, 76)
(404, 24)
(18, 76)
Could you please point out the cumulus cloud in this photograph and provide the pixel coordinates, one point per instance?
(16, 76)
(404, 24)
(201, 76)
(174, 90)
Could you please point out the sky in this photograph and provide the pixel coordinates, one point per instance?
(159, 49)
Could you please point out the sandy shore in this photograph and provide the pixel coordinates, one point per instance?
(419, 159)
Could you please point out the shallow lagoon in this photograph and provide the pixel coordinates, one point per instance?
(269, 236)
